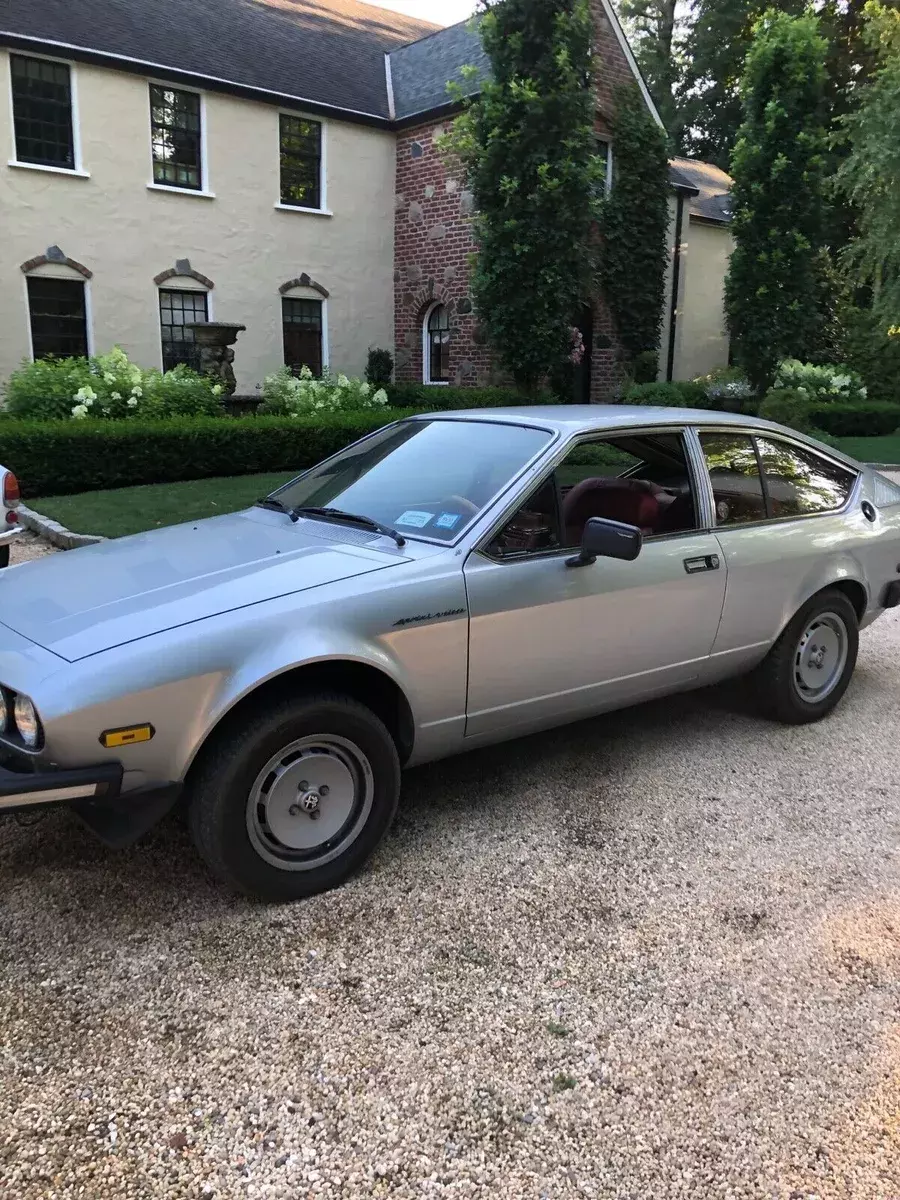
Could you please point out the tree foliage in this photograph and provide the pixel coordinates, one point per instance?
(634, 224)
(774, 301)
(652, 26)
(715, 50)
(528, 145)
(870, 176)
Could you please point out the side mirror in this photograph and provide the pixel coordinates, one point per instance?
(607, 539)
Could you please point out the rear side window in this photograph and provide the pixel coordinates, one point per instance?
(736, 481)
(799, 482)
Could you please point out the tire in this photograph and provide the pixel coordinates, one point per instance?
(802, 678)
(4, 556)
(294, 801)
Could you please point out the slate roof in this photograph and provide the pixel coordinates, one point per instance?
(713, 185)
(328, 52)
(420, 71)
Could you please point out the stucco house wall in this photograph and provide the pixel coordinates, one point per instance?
(126, 234)
(701, 343)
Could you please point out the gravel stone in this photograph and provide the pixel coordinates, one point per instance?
(708, 905)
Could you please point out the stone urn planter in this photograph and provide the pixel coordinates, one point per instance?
(214, 340)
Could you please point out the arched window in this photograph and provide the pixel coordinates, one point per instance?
(437, 345)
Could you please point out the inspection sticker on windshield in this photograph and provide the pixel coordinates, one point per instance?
(417, 519)
(447, 521)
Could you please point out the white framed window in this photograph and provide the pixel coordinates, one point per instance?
(178, 140)
(302, 175)
(180, 307)
(436, 345)
(59, 315)
(43, 98)
(605, 153)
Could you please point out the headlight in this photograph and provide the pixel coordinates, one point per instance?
(27, 722)
(4, 712)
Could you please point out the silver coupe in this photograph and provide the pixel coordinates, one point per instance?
(449, 581)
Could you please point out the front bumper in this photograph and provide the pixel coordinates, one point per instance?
(24, 789)
(94, 794)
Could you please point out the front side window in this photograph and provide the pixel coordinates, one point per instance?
(799, 482)
(642, 480)
(300, 155)
(736, 482)
(301, 323)
(175, 135)
(58, 317)
(42, 112)
(425, 478)
(437, 345)
(178, 309)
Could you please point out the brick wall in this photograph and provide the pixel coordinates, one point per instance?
(433, 245)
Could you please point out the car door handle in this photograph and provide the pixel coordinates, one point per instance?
(706, 562)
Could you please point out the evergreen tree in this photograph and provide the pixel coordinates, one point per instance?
(528, 144)
(774, 288)
(870, 176)
(716, 46)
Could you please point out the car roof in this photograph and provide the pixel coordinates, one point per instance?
(576, 418)
(570, 419)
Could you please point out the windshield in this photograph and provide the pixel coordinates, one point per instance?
(430, 478)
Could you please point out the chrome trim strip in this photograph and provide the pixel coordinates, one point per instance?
(77, 792)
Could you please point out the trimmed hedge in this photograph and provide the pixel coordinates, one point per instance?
(868, 418)
(787, 406)
(55, 458)
(678, 394)
(442, 399)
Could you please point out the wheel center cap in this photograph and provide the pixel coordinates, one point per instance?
(310, 801)
(817, 657)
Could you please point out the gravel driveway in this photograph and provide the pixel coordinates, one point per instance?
(653, 955)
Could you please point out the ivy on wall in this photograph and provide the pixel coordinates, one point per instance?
(633, 223)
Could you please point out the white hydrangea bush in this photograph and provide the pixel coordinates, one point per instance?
(821, 384)
(284, 393)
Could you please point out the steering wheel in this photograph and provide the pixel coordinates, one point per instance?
(467, 506)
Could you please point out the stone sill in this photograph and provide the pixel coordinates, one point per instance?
(177, 191)
(309, 212)
(24, 166)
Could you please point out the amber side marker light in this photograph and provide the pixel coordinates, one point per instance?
(113, 738)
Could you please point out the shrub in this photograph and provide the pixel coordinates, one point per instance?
(285, 394)
(729, 390)
(873, 352)
(646, 366)
(45, 389)
(379, 368)
(678, 394)
(820, 383)
(874, 418)
(61, 457)
(444, 399)
(787, 406)
(108, 386)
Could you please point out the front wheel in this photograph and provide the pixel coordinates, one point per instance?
(297, 800)
(809, 668)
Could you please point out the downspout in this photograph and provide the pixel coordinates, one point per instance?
(676, 276)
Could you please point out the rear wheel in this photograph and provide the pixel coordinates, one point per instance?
(4, 556)
(295, 803)
(809, 668)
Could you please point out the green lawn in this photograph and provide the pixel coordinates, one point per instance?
(132, 510)
(873, 449)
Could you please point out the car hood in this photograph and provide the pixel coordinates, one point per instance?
(101, 596)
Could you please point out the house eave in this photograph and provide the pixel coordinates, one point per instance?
(136, 66)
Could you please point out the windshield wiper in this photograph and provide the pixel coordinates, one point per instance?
(274, 502)
(338, 515)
